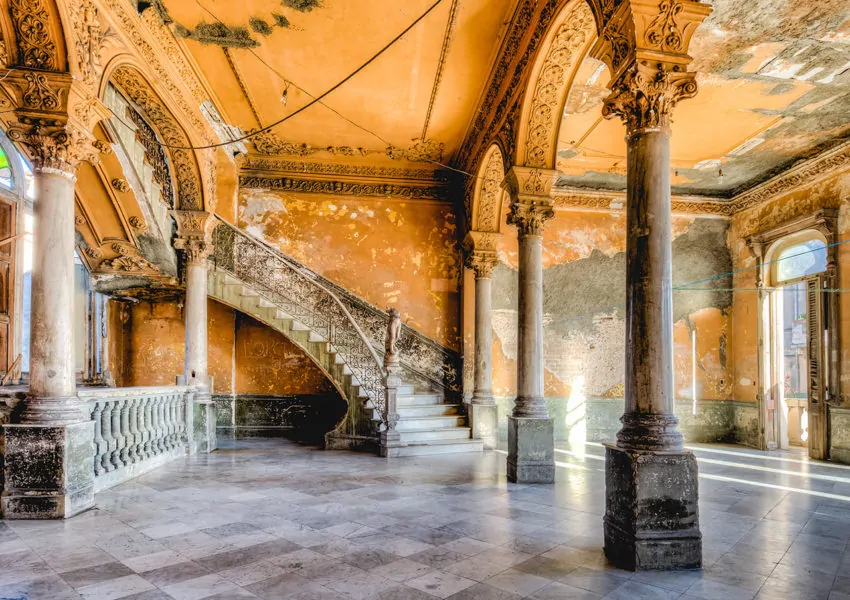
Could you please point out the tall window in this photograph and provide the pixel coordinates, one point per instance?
(800, 260)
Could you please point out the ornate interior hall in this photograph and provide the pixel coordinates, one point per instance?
(438, 298)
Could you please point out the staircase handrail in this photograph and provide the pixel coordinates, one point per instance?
(377, 393)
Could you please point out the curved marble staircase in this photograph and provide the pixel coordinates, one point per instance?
(263, 283)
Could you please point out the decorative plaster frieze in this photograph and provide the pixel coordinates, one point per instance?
(346, 188)
(283, 165)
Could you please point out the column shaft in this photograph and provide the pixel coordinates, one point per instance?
(483, 392)
(530, 402)
(196, 322)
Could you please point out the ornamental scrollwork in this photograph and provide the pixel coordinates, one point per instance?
(644, 97)
(36, 48)
(664, 31)
(530, 217)
(482, 262)
(490, 194)
(54, 145)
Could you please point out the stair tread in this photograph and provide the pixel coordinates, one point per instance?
(445, 442)
(431, 429)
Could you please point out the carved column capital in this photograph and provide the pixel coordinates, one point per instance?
(482, 262)
(644, 96)
(531, 204)
(194, 234)
(529, 217)
(54, 145)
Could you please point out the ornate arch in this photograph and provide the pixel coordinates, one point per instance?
(187, 173)
(486, 210)
(567, 43)
(39, 36)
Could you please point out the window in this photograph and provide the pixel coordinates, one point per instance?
(5, 170)
(799, 260)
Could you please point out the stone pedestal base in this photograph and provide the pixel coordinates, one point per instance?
(204, 435)
(390, 443)
(49, 471)
(484, 420)
(651, 511)
(531, 450)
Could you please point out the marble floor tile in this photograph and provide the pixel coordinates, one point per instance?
(440, 584)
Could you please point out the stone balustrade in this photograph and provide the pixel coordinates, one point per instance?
(137, 429)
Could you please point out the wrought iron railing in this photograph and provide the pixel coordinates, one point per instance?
(297, 293)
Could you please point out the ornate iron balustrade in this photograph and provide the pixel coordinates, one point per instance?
(298, 293)
(137, 429)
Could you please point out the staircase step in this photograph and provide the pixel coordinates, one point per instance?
(406, 390)
(431, 423)
(442, 447)
(424, 436)
(418, 400)
(430, 410)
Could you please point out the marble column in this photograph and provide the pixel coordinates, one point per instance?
(531, 446)
(483, 414)
(193, 240)
(48, 461)
(651, 517)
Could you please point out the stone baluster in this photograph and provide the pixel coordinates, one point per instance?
(531, 434)
(172, 423)
(118, 440)
(97, 412)
(162, 426)
(126, 437)
(651, 514)
(481, 258)
(148, 420)
(108, 438)
(45, 475)
(133, 450)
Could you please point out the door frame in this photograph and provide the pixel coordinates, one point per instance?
(763, 247)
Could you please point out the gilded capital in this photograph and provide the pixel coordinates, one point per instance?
(529, 217)
(531, 204)
(482, 262)
(194, 234)
(54, 145)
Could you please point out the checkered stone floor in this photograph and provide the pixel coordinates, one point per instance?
(272, 519)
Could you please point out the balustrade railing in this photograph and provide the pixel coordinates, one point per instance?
(137, 429)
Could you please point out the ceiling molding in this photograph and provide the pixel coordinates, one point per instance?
(804, 173)
(264, 165)
(433, 191)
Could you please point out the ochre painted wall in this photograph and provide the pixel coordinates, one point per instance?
(391, 252)
(584, 297)
(245, 356)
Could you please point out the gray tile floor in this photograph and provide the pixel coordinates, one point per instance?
(272, 519)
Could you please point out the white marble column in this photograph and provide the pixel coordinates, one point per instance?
(531, 446)
(194, 241)
(482, 410)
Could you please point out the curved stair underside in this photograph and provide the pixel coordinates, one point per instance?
(427, 423)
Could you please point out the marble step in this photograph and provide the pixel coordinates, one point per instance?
(431, 422)
(431, 410)
(441, 447)
(424, 436)
(419, 400)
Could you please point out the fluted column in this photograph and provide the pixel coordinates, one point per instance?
(481, 258)
(194, 241)
(651, 508)
(531, 446)
(49, 455)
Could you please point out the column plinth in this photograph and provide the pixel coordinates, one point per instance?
(531, 442)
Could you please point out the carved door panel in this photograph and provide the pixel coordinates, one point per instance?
(817, 327)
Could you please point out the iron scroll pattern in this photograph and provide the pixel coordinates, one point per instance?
(421, 357)
(305, 300)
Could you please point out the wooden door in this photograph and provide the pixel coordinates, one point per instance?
(8, 210)
(817, 325)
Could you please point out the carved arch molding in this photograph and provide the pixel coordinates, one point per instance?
(184, 162)
(39, 42)
(486, 208)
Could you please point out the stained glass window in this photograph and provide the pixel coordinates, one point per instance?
(800, 260)
(5, 170)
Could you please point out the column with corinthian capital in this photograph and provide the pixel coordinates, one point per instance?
(651, 513)
(194, 241)
(531, 443)
(481, 257)
(49, 453)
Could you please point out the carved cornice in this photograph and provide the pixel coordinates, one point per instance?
(194, 234)
(420, 150)
(346, 188)
(256, 165)
(831, 162)
(603, 200)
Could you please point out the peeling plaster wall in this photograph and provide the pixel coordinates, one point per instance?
(584, 329)
(391, 252)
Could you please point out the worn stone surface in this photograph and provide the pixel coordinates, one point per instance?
(484, 420)
(531, 450)
(651, 510)
(839, 438)
(49, 471)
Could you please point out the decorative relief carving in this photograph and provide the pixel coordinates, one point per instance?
(644, 97)
(194, 230)
(89, 39)
(39, 94)
(79, 220)
(313, 168)
(563, 56)
(530, 217)
(420, 150)
(189, 196)
(121, 185)
(36, 49)
(93, 253)
(55, 145)
(137, 223)
(343, 188)
(268, 143)
(664, 32)
(490, 193)
(482, 262)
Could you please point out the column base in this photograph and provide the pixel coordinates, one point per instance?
(531, 450)
(391, 443)
(484, 420)
(49, 471)
(651, 510)
(204, 437)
